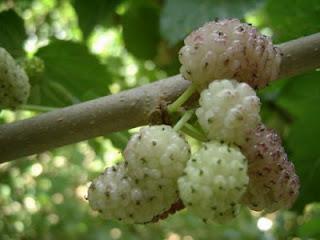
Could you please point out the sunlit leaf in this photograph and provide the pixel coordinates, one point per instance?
(72, 74)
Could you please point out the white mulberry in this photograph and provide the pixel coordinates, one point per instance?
(113, 194)
(273, 182)
(214, 182)
(158, 151)
(228, 110)
(116, 195)
(229, 49)
(14, 82)
(143, 188)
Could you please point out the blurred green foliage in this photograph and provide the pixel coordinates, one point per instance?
(9, 39)
(180, 17)
(99, 47)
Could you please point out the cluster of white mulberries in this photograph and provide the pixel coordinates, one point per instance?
(144, 185)
(14, 82)
(273, 182)
(214, 182)
(228, 110)
(229, 49)
(158, 176)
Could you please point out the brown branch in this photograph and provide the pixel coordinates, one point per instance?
(300, 55)
(125, 110)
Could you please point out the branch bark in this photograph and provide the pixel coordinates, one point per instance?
(300, 55)
(128, 109)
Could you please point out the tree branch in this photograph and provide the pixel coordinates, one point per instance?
(124, 110)
(300, 55)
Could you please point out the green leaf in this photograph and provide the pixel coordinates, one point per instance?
(292, 19)
(180, 17)
(310, 228)
(72, 74)
(141, 30)
(92, 13)
(300, 97)
(12, 33)
(301, 93)
(304, 149)
(119, 139)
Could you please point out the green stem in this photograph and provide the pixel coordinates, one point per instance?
(199, 128)
(36, 108)
(192, 132)
(59, 88)
(182, 121)
(173, 107)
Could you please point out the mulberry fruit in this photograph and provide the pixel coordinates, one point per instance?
(228, 111)
(214, 182)
(143, 188)
(229, 49)
(158, 151)
(273, 182)
(14, 82)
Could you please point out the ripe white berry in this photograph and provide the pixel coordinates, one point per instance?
(118, 196)
(157, 151)
(228, 110)
(14, 83)
(229, 49)
(143, 188)
(273, 182)
(214, 182)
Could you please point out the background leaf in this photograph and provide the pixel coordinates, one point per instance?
(180, 17)
(310, 229)
(93, 12)
(12, 33)
(301, 98)
(72, 74)
(292, 19)
(141, 30)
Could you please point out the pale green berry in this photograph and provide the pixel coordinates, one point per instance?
(215, 180)
(14, 83)
(228, 111)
